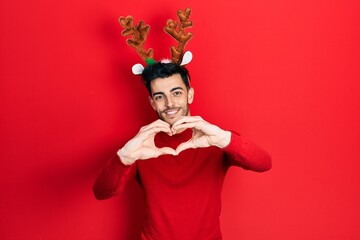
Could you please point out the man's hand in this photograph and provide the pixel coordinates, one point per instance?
(142, 146)
(204, 134)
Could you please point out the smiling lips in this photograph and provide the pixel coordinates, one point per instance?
(171, 112)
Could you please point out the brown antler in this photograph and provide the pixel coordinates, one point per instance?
(179, 34)
(139, 34)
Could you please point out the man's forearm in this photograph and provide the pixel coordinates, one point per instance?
(112, 178)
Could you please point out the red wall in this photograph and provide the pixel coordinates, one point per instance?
(284, 73)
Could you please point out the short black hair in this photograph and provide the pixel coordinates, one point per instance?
(164, 70)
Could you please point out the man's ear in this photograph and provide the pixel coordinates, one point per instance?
(152, 103)
(190, 95)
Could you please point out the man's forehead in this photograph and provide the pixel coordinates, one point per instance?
(167, 84)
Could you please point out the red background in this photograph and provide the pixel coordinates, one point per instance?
(284, 73)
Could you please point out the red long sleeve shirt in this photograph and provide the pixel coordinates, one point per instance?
(183, 193)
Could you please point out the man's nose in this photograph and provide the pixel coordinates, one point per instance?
(169, 102)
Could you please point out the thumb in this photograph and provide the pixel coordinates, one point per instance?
(166, 150)
(184, 146)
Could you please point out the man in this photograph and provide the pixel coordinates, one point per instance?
(179, 160)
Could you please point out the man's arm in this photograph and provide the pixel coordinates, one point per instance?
(112, 179)
(120, 169)
(241, 152)
(246, 154)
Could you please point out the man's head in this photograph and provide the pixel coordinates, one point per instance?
(164, 70)
(169, 89)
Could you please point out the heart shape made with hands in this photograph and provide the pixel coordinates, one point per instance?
(184, 145)
(170, 143)
(203, 134)
(197, 140)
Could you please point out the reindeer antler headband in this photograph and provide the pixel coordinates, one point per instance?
(175, 29)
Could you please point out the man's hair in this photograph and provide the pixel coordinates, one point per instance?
(164, 70)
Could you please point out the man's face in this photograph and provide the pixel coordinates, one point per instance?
(170, 98)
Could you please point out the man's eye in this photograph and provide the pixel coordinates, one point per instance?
(159, 97)
(177, 93)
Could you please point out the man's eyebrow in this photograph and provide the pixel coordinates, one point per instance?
(176, 88)
(158, 93)
(162, 93)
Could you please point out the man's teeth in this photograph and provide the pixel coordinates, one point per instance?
(171, 112)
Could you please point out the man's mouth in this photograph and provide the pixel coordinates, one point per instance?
(172, 111)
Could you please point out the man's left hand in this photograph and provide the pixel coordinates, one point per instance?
(204, 133)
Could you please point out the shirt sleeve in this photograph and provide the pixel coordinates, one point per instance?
(244, 153)
(112, 178)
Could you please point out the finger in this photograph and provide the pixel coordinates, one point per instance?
(162, 123)
(184, 146)
(186, 119)
(166, 150)
(185, 125)
(156, 123)
(154, 130)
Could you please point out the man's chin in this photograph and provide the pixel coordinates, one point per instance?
(171, 121)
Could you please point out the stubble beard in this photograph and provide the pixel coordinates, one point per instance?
(185, 112)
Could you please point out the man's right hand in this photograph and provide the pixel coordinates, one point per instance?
(142, 146)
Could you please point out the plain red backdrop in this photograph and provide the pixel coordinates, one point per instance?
(284, 73)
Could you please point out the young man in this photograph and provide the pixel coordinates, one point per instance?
(180, 162)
